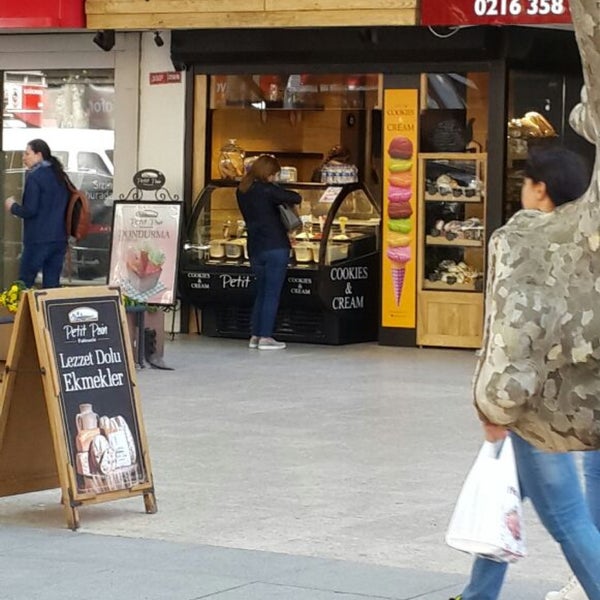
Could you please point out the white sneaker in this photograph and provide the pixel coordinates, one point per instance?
(253, 343)
(270, 344)
(571, 591)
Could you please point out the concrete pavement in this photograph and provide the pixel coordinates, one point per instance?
(315, 472)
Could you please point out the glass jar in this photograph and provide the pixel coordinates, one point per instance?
(231, 160)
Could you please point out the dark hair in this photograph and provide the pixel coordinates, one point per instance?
(339, 153)
(39, 145)
(564, 172)
(262, 168)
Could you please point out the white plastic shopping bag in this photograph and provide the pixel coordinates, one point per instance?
(488, 518)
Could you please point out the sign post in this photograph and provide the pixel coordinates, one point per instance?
(70, 412)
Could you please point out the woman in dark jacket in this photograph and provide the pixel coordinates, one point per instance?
(268, 244)
(43, 211)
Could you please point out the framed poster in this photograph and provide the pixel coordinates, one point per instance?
(398, 260)
(144, 250)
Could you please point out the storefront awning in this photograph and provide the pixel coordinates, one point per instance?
(368, 50)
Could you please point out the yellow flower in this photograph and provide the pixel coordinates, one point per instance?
(12, 295)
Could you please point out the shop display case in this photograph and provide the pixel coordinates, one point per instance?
(452, 242)
(331, 290)
(538, 109)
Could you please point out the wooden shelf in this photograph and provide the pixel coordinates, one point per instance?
(513, 156)
(298, 154)
(432, 240)
(450, 198)
(449, 287)
(450, 315)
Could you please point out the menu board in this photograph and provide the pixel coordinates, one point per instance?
(70, 413)
(96, 393)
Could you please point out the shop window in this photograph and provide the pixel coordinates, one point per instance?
(539, 105)
(294, 91)
(455, 112)
(452, 207)
(91, 161)
(299, 118)
(72, 110)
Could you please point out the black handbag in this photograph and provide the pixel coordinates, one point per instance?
(289, 218)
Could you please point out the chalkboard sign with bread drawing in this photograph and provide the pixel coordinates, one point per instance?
(83, 372)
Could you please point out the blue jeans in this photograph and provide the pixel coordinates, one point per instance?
(47, 257)
(591, 472)
(551, 482)
(269, 267)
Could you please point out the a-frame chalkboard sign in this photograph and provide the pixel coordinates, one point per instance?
(70, 413)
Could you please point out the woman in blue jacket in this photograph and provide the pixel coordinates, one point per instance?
(43, 210)
(268, 244)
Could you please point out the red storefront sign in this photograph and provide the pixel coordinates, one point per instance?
(33, 14)
(494, 12)
(165, 77)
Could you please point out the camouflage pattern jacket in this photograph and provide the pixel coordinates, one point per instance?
(539, 367)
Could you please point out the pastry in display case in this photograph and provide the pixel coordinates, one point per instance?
(452, 239)
(332, 278)
(524, 133)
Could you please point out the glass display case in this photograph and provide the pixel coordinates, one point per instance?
(539, 105)
(330, 293)
(452, 237)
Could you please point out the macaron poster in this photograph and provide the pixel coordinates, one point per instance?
(399, 208)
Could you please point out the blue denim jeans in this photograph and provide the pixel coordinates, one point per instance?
(591, 472)
(269, 267)
(47, 257)
(551, 482)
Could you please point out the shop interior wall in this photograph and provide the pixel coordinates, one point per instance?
(304, 135)
(302, 132)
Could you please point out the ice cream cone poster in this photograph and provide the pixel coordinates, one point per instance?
(399, 214)
(143, 259)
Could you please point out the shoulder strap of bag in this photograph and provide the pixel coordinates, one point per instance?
(68, 221)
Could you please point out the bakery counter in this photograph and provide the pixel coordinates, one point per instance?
(330, 294)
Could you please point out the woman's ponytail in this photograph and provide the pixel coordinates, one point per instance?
(39, 145)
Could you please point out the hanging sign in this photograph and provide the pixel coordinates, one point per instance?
(494, 12)
(398, 256)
